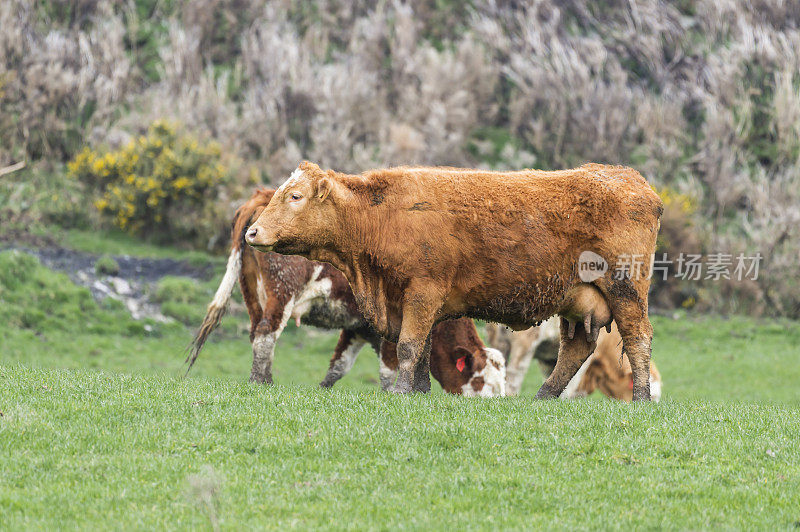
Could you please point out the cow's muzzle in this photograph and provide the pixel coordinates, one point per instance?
(256, 238)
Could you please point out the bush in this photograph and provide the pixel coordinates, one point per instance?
(165, 186)
(678, 235)
(35, 199)
(181, 290)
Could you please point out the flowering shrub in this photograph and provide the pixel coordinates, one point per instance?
(165, 185)
(678, 235)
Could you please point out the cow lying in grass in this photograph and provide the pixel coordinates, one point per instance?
(278, 288)
(607, 369)
(422, 245)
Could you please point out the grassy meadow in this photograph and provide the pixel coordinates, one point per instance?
(99, 429)
(149, 121)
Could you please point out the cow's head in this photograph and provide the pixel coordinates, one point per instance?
(299, 217)
(485, 370)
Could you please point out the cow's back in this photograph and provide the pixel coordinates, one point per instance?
(507, 244)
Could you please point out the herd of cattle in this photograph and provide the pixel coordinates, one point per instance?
(402, 259)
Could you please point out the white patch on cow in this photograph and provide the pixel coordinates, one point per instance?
(493, 374)
(316, 288)
(287, 312)
(571, 391)
(655, 389)
(229, 280)
(261, 292)
(294, 178)
(264, 344)
(345, 362)
(387, 375)
(263, 354)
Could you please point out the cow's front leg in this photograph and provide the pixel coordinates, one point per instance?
(422, 373)
(350, 344)
(263, 354)
(265, 336)
(387, 361)
(410, 355)
(414, 346)
(572, 353)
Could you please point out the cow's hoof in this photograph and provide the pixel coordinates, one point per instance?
(399, 389)
(545, 393)
(259, 379)
(423, 387)
(641, 393)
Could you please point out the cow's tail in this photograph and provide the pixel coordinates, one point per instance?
(216, 309)
(218, 306)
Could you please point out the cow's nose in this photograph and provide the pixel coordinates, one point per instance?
(251, 234)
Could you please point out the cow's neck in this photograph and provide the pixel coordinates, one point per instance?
(353, 252)
(336, 259)
(364, 236)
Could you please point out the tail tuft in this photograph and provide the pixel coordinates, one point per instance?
(217, 307)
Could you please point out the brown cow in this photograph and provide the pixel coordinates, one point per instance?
(607, 369)
(277, 288)
(421, 245)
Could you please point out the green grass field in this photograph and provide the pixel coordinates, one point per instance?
(99, 430)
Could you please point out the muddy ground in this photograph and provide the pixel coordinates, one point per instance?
(132, 284)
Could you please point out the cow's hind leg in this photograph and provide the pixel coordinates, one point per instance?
(387, 361)
(263, 354)
(572, 353)
(628, 302)
(344, 356)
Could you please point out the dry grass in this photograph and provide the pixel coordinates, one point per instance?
(702, 96)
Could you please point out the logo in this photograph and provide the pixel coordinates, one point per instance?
(591, 266)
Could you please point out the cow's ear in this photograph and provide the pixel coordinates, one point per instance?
(462, 359)
(324, 188)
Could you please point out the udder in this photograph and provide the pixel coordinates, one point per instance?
(585, 304)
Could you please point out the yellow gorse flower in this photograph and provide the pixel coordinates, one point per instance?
(670, 197)
(181, 183)
(163, 169)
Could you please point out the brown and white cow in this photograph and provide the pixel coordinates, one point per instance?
(421, 245)
(278, 288)
(607, 369)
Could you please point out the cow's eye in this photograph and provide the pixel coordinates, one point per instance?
(296, 196)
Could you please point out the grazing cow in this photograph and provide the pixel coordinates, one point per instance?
(607, 369)
(277, 288)
(422, 245)
(470, 369)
